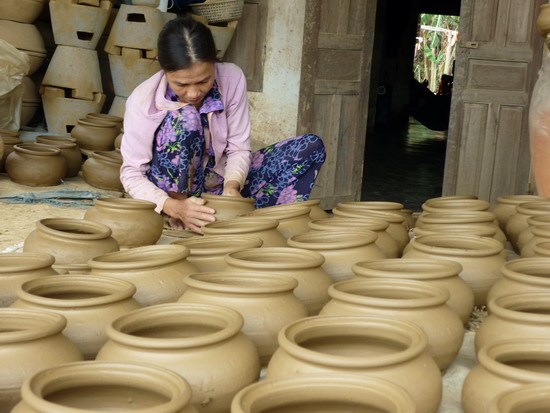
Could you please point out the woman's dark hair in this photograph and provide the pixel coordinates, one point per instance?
(184, 41)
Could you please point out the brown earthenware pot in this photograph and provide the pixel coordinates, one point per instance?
(264, 228)
(36, 164)
(95, 135)
(69, 150)
(525, 235)
(102, 170)
(518, 221)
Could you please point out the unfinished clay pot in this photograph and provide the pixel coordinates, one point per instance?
(69, 150)
(27, 39)
(321, 393)
(36, 164)
(437, 272)
(341, 250)
(502, 367)
(228, 207)
(525, 235)
(89, 303)
(18, 267)
(70, 240)
(384, 240)
(95, 386)
(134, 222)
(542, 249)
(506, 206)
(208, 253)
(480, 230)
(157, 271)
(129, 68)
(365, 346)
(102, 170)
(105, 117)
(8, 142)
(384, 206)
(293, 220)
(266, 302)
(30, 341)
(192, 340)
(303, 265)
(408, 300)
(518, 221)
(541, 233)
(23, 11)
(526, 398)
(95, 135)
(481, 258)
(264, 228)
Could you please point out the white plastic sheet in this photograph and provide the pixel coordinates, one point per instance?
(13, 66)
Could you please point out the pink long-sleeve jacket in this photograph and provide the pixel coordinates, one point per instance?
(229, 130)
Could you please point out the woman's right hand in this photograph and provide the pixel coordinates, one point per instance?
(191, 211)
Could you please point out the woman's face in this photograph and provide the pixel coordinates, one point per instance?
(192, 84)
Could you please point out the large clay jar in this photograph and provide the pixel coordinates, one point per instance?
(341, 250)
(541, 233)
(134, 222)
(303, 265)
(293, 219)
(506, 207)
(323, 393)
(525, 235)
(522, 276)
(102, 170)
(502, 367)
(525, 315)
(36, 164)
(99, 386)
(18, 267)
(89, 303)
(480, 257)
(384, 240)
(367, 346)
(398, 227)
(414, 301)
(94, 135)
(265, 301)
(30, 341)
(228, 207)
(437, 272)
(70, 240)
(526, 398)
(157, 271)
(264, 228)
(69, 150)
(202, 343)
(518, 222)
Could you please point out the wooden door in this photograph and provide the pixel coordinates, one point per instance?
(496, 67)
(334, 91)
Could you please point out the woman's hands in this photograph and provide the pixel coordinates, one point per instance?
(190, 210)
(232, 188)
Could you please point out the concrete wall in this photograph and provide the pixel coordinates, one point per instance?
(274, 111)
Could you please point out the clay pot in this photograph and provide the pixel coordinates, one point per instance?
(384, 240)
(96, 386)
(518, 222)
(134, 222)
(264, 228)
(541, 233)
(525, 315)
(208, 253)
(35, 164)
(95, 135)
(414, 301)
(542, 249)
(480, 230)
(105, 117)
(364, 346)
(506, 207)
(442, 205)
(8, 143)
(503, 367)
(73, 269)
(27, 39)
(526, 235)
(70, 240)
(30, 341)
(157, 271)
(69, 150)
(265, 301)
(384, 206)
(18, 267)
(89, 303)
(303, 265)
(543, 20)
(526, 398)
(522, 276)
(102, 170)
(321, 393)
(437, 272)
(481, 258)
(316, 212)
(293, 220)
(398, 227)
(23, 11)
(341, 250)
(202, 343)
(228, 207)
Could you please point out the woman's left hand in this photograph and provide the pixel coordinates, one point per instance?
(232, 188)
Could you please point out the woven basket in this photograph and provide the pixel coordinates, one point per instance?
(219, 11)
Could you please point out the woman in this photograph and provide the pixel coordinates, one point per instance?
(187, 131)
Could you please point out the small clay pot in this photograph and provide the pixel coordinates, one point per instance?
(102, 170)
(506, 207)
(316, 212)
(264, 228)
(441, 205)
(134, 222)
(293, 220)
(36, 164)
(95, 135)
(192, 340)
(98, 386)
(70, 240)
(69, 150)
(228, 207)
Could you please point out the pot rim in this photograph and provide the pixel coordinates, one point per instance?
(325, 224)
(37, 149)
(58, 226)
(388, 216)
(240, 225)
(112, 157)
(521, 397)
(21, 259)
(124, 203)
(534, 208)
(59, 138)
(518, 199)
(105, 116)
(413, 268)
(213, 245)
(338, 240)
(373, 205)
(455, 217)
(516, 270)
(237, 283)
(542, 249)
(538, 220)
(282, 214)
(29, 324)
(269, 258)
(140, 257)
(515, 307)
(455, 204)
(485, 246)
(97, 122)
